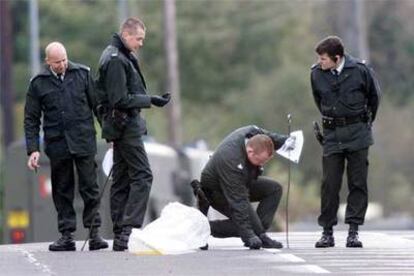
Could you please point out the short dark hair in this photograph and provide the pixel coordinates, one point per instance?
(260, 143)
(331, 45)
(131, 25)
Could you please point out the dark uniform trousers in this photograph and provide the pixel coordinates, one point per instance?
(132, 178)
(357, 201)
(263, 190)
(63, 179)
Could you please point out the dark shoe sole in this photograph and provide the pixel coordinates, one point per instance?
(119, 248)
(93, 247)
(62, 249)
(324, 245)
(205, 247)
(352, 245)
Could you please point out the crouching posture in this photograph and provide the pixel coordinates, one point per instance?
(231, 180)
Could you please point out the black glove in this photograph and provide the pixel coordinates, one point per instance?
(253, 242)
(160, 100)
(267, 242)
(278, 140)
(202, 201)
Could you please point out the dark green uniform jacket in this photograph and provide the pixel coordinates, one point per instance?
(67, 109)
(229, 171)
(355, 92)
(121, 86)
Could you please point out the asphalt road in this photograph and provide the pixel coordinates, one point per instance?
(384, 253)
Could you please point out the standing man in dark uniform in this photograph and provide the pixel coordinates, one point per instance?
(63, 94)
(231, 180)
(122, 94)
(347, 95)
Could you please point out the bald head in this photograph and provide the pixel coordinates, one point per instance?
(56, 57)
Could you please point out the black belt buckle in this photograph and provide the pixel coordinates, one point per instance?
(328, 122)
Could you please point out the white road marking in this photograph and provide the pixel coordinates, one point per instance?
(292, 258)
(303, 269)
(31, 259)
(316, 269)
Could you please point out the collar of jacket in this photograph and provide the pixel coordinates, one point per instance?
(246, 160)
(350, 62)
(47, 72)
(119, 43)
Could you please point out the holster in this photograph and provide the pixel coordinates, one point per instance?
(119, 118)
(318, 133)
(203, 203)
(114, 123)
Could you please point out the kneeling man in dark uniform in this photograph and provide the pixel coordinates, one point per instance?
(231, 180)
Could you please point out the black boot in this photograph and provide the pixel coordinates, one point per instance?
(65, 243)
(327, 239)
(95, 240)
(352, 239)
(121, 240)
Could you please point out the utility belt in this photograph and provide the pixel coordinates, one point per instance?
(104, 110)
(118, 118)
(333, 122)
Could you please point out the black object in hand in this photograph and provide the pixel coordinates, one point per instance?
(160, 100)
(318, 133)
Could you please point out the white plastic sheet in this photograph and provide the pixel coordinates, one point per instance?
(292, 148)
(179, 229)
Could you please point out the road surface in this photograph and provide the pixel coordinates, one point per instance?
(384, 253)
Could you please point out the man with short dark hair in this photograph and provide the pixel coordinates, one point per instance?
(122, 93)
(347, 95)
(62, 94)
(231, 180)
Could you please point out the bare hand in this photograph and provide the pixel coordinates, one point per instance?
(33, 162)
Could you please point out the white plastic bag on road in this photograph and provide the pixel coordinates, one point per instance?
(179, 229)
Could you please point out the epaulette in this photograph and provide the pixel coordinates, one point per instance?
(314, 66)
(75, 66)
(364, 63)
(115, 52)
(84, 67)
(41, 74)
(33, 78)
